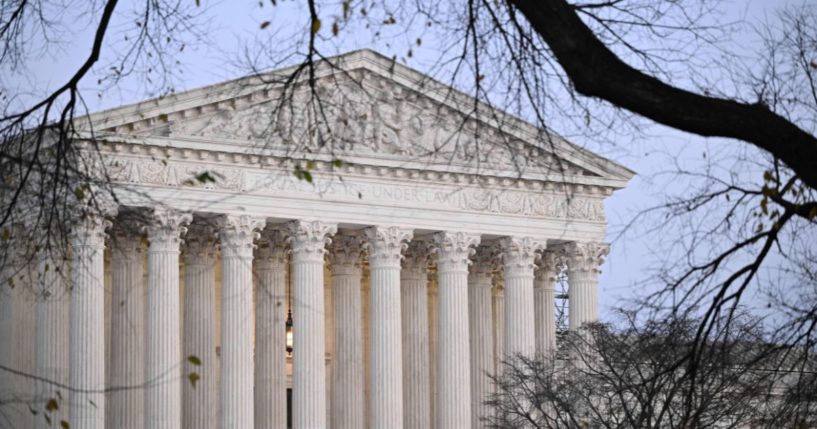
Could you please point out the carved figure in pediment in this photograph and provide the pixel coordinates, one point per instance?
(246, 124)
(290, 122)
(352, 119)
(389, 117)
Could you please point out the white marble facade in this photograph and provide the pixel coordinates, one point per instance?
(411, 262)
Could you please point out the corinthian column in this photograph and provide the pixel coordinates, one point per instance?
(480, 282)
(385, 247)
(199, 400)
(518, 254)
(416, 360)
(237, 234)
(347, 372)
(270, 331)
(583, 261)
(544, 291)
(163, 393)
(87, 329)
(126, 404)
(454, 369)
(52, 337)
(308, 242)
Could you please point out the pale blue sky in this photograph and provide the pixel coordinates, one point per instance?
(232, 23)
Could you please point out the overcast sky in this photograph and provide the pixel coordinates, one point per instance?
(234, 23)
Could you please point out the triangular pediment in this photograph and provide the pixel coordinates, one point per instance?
(366, 109)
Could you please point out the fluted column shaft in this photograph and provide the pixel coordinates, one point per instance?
(544, 295)
(518, 255)
(433, 346)
(21, 289)
(270, 332)
(583, 260)
(544, 291)
(200, 378)
(347, 372)
(416, 358)
(237, 234)
(8, 302)
(386, 365)
(480, 316)
(163, 348)
(52, 338)
(454, 369)
(87, 330)
(308, 241)
(583, 302)
(26, 340)
(499, 326)
(126, 401)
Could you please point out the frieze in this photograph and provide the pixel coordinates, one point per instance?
(545, 204)
(172, 173)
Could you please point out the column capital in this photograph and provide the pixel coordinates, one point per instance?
(89, 231)
(308, 239)
(237, 234)
(271, 252)
(17, 244)
(417, 255)
(519, 252)
(548, 266)
(585, 256)
(345, 254)
(453, 249)
(386, 244)
(483, 263)
(166, 228)
(126, 244)
(200, 245)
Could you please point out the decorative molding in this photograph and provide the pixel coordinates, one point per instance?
(237, 234)
(308, 239)
(453, 250)
(585, 256)
(385, 245)
(166, 229)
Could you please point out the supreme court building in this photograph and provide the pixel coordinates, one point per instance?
(272, 261)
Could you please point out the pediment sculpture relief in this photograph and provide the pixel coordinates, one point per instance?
(374, 117)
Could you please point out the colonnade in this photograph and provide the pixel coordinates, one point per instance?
(429, 350)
